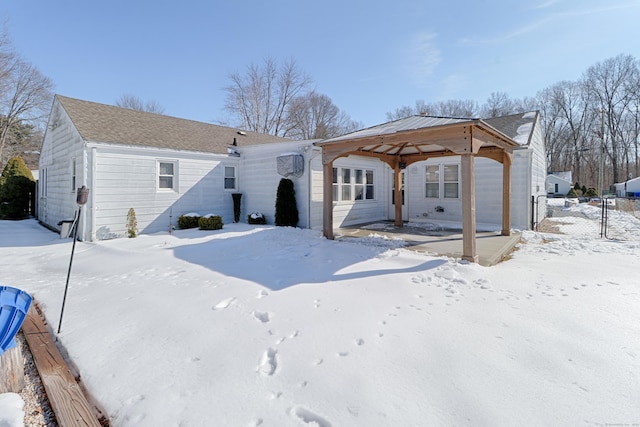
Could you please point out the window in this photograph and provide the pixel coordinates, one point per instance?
(352, 184)
(336, 186)
(369, 193)
(166, 175)
(450, 181)
(433, 181)
(73, 174)
(346, 184)
(230, 178)
(442, 181)
(43, 183)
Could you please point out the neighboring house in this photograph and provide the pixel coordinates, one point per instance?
(164, 167)
(559, 183)
(629, 188)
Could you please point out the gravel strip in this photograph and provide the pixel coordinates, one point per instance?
(37, 411)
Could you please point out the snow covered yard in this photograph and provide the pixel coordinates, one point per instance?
(264, 326)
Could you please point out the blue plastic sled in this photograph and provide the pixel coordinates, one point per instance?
(14, 305)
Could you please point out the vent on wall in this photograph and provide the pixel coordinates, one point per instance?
(290, 164)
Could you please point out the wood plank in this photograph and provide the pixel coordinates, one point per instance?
(65, 394)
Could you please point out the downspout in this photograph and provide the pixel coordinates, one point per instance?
(311, 156)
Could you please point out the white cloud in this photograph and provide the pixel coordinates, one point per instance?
(544, 20)
(422, 57)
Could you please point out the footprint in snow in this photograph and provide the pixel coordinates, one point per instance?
(262, 317)
(306, 416)
(268, 362)
(224, 303)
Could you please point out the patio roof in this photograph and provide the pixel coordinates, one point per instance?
(402, 142)
(417, 138)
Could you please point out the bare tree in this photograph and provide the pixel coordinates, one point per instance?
(133, 102)
(259, 99)
(315, 116)
(25, 95)
(612, 84)
(466, 108)
(498, 104)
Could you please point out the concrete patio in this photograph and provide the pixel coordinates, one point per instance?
(438, 239)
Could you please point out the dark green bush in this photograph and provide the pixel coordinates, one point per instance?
(256, 218)
(17, 189)
(591, 192)
(188, 221)
(572, 194)
(210, 222)
(286, 207)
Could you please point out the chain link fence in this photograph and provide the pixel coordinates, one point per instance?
(617, 219)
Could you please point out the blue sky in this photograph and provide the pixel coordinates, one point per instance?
(369, 57)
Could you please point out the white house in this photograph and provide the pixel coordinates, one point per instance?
(164, 167)
(629, 188)
(559, 183)
(160, 166)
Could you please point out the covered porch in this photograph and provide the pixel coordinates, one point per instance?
(403, 142)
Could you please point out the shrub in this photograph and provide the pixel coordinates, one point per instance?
(210, 222)
(132, 224)
(572, 194)
(256, 218)
(591, 192)
(17, 189)
(286, 207)
(188, 221)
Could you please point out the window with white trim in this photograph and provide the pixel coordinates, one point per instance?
(433, 181)
(353, 184)
(442, 181)
(230, 178)
(166, 175)
(451, 181)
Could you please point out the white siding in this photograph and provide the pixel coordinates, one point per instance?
(260, 179)
(538, 173)
(128, 178)
(61, 145)
(347, 213)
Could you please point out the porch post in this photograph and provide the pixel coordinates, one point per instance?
(468, 209)
(327, 199)
(397, 194)
(506, 193)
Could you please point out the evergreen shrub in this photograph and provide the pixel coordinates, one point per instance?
(132, 224)
(286, 207)
(188, 221)
(210, 222)
(17, 189)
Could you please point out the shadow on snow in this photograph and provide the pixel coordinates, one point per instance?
(278, 258)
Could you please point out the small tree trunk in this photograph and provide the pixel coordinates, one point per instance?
(11, 371)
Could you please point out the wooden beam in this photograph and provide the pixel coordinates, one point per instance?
(397, 196)
(506, 193)
(327, 199)
(65, 395)
(469, 252)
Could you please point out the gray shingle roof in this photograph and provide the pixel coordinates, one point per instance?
(516, 126)
(115, 125)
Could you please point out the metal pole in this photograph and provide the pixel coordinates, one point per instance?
(601, 168)
(73, 248)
